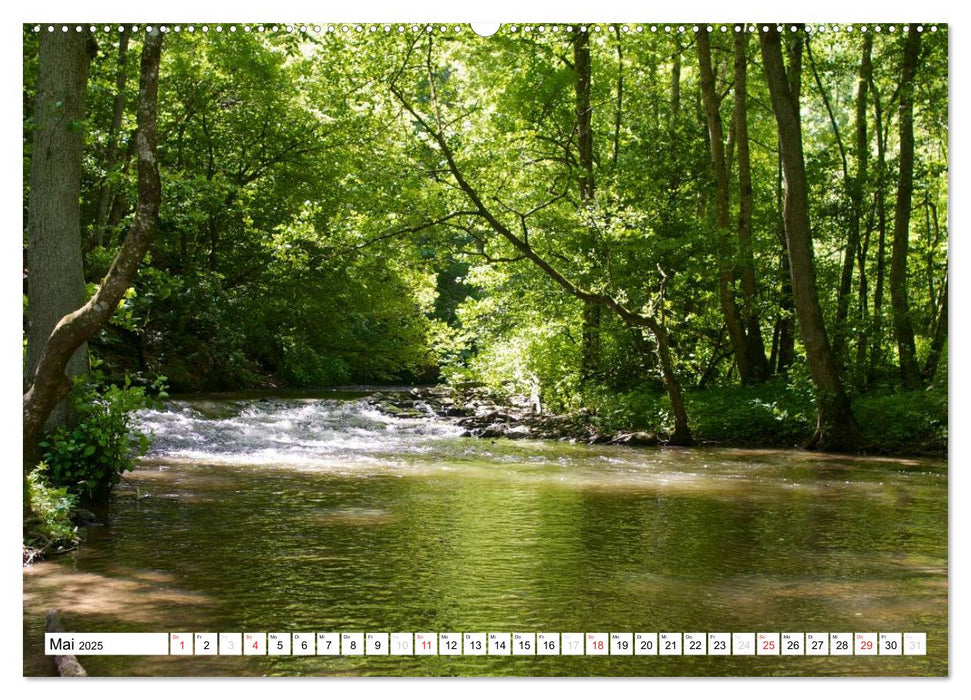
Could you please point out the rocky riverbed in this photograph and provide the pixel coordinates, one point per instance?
(483, 416)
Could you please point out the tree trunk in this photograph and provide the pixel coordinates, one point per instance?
(902, 324)
(786, 322)
(876, 341)
(111, 155)
(836, 427)
(590, 346)
(682, 434)
(787, 330)
(726, 277)
(55, 272)
(67, 665)
(940, 339)
(860, 185)
(755, 345)
(854, 192)
(619, 109)
(49, 383)
(863, 300)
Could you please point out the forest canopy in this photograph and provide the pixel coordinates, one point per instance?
(734, 233)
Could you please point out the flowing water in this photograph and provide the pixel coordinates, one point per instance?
(321, 514)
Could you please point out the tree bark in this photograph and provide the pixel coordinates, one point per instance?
(876, 340)
(755, 345)
(939, 341)
(55, 279)
(49, 382)
(794, 59)
(726, 276)
(111, 154)
(590, 345)
(836, 427)
(903, 326)
(785, 324)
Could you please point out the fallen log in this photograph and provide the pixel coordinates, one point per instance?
(67, 664)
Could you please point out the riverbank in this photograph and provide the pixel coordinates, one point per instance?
(902, 423)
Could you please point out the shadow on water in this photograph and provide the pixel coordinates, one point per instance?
(321, 514)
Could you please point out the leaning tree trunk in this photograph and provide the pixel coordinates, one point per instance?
(49, 382)
(682, 434)
(55, 281)
(836, 427)
(902, 324)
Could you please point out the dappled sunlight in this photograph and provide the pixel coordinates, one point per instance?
(129, 596)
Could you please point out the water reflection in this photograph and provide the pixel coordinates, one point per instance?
(322, 515)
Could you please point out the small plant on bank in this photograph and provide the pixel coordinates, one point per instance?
(48, 516)
(89, 457)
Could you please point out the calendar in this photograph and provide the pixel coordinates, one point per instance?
(631, 264)
(493, 644)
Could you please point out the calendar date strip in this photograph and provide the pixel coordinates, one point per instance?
(487, 643)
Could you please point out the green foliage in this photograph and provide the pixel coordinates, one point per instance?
(644, 407)
(904, 422)
(778, 413)
(48, 513)
(295, 246)
(275, 260)
(518, 338)
(89, 457)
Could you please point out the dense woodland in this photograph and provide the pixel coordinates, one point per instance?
(727, 233)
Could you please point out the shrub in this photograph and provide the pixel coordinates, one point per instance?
(89, 456)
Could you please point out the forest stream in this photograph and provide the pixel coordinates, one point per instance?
(318, 513)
